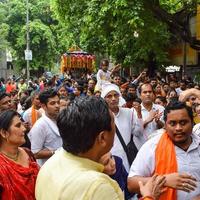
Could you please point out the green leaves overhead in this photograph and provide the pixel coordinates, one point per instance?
(127, 30)
(46, 41)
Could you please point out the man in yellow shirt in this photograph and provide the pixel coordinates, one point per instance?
(73, 173)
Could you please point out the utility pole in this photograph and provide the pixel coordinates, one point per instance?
(27, 41)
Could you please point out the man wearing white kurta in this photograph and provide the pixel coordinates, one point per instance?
(124, 120)
(186, 180)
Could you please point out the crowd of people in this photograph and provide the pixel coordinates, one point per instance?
(100, 136)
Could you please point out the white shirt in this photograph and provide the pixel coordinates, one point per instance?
(196, 129)
(127, 125)
(178, 91)
(152, 126)
(27, 115)
(44, 135)
(188, 162)
(139, 138)
(102, 78)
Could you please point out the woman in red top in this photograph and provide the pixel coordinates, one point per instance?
(18, 169)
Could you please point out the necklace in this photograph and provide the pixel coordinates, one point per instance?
(15, 158)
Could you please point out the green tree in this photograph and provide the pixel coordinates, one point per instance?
(130, 31)
(48, 37)
(3, 26)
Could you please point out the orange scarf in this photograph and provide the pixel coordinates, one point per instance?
(166, 163)
(34, 116)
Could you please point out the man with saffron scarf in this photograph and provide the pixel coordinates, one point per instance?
(174, 154)
(33, 114)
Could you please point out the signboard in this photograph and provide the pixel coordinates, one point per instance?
(28, 54)
(173, 68)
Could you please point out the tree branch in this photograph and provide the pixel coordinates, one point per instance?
(178, 23)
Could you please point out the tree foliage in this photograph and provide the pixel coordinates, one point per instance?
(133, 32)
(3, 27)
(130, 31)
(48, 38)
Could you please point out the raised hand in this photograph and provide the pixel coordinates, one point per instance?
(154, 187)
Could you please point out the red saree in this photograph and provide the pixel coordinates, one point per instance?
(17, 182)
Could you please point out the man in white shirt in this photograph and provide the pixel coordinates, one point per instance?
(44, 135)
(152, 114)
(181, 88)
(185, 149)
(125, 120)
(33, 114)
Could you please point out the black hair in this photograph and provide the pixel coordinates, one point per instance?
(172, 99)
(140, 87)
(46, 94)
(171, 90)
(6, 118)
(131, 86)
(64, 98)
(177, 105)
(182, 81)
(81, 122)
(104, 62)
(137, 100)
(129, 97)
(27, 103)
(161, 98)
(61, 86)
(34, 94)
(80, 88)
(3, 95)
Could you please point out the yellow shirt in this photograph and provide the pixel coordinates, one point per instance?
(68, 177)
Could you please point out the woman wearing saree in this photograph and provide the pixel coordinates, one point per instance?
(18, 169)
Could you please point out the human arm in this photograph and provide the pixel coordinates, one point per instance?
(139, 77)
(158, 120)
(176, 181)
(133, 183)
(156, 116)
(150, 118)
(137, 107)
(142, 167)
(181, 181)
(138, 124)
(115, 69)
(44, 153)
(153, 187)
(37, 137)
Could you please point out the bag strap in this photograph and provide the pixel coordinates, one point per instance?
(121, 140)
